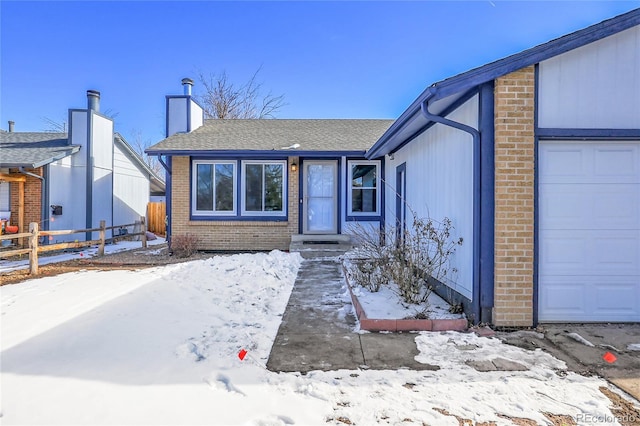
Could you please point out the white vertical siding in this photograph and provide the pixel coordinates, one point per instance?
(130, 190)
(102, 141)
(594, 86)
(177, 115)
(78, 127)
(67, 188)
(439, 172)
(196, 115)
(102, 154)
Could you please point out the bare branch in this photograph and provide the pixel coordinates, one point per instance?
(222, 99)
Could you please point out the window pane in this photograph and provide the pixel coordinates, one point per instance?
(363, 176)
(204, 191)
(224, 187)
(363, 200)
(273, 174)
(253, 187)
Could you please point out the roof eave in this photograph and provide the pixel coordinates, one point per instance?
(477, 76)
(45, 161)
(253, 153)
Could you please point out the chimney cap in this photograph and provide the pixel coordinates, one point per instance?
(92, 92)
(187, 80)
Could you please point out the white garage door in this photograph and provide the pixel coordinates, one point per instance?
(589, 229)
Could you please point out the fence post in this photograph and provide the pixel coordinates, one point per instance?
(102, 232)
(143, 229)
(33, 245)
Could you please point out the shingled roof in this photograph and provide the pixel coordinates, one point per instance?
(312, 135)
(33, 149)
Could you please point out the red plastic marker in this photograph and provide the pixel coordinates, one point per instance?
(242, 354)
(609, 357)
(81, 254)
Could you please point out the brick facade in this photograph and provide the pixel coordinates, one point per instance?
(32, 199)
(230, 235)
(514, 198)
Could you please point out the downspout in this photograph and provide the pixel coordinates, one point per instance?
(475, 134)
(43, 198)
(167, 197)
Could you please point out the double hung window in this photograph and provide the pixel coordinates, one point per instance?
(263, 188)
(364, 184)
(214, 188)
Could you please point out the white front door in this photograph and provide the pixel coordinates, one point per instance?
(589, 210)
(320, 204)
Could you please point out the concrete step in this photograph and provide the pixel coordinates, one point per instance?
(311, 246)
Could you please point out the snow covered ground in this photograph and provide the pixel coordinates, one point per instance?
(160, 346)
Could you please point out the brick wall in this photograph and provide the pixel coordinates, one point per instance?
(230, 235)
(514, 198)
(32, 199)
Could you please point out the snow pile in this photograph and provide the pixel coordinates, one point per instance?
(160, 346)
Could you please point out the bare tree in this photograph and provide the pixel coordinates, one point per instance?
(139, 145)
(224, 99)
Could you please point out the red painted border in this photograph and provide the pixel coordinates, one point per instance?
(395, 325)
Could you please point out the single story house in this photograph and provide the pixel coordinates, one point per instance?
(535, 159)
(252, 184)
(73, 180)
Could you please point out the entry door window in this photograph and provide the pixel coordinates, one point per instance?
(321, 198)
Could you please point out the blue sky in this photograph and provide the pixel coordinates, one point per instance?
(365, 59)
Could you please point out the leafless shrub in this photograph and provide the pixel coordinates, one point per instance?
(184, 245)
(410, 259)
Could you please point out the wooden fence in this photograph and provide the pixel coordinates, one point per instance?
(35, 247)
(157, 213)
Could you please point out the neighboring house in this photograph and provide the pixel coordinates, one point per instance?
(252, 184)
(536, 159)
(74, 180)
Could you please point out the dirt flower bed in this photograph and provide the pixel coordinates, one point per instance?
(141, 258)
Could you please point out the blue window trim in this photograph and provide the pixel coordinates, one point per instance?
(536, 196)
(402, 168)
(237, 215)
(349, 216)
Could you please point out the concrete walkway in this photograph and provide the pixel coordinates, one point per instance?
(318, 329)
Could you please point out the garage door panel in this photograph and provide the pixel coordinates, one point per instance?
(617, 254)
(570, 206)
(589, 231)
(560, 252)
(601, 253)
(616, 298)
(617, 161)
(585, 298)
(562, 161)
(561, 297)
(589, 163)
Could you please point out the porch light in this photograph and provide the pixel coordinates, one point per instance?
(294, 167)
